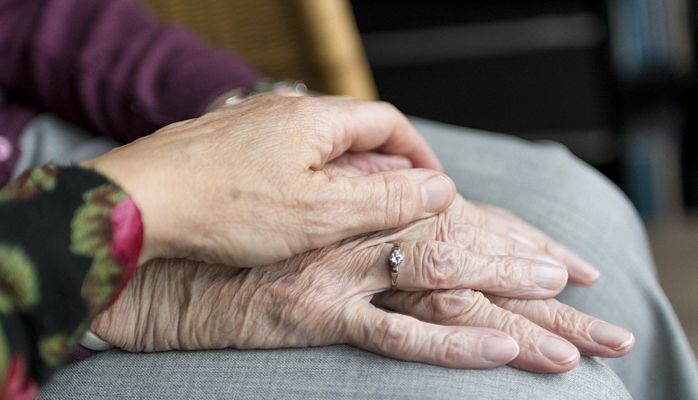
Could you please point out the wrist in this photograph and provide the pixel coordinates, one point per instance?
(131, 241)
(282, 88)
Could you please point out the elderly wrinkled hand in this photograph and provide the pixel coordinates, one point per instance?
(328, 296)
(480, 227)
(244, 185)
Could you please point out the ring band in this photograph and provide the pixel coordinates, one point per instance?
(395, 261)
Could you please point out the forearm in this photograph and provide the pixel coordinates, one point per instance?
(69, 242)
(108, 66)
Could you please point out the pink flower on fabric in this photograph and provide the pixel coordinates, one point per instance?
(127, 232)
(108, 228)
(127, 240)
(17, 386)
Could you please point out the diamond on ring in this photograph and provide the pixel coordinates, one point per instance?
(395, 262)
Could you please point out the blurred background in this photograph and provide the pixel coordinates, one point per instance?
(613, 80)
(616, 81)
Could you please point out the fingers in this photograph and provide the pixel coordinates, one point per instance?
(540, 350)
(405, 338)
(507, 224)
(438, 265)
(368, 162)
(479, 240)
(366, 125)
(592, 336)
(383, 200)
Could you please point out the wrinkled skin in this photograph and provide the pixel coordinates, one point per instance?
(468, 295)
(467, 298)
(199, 183)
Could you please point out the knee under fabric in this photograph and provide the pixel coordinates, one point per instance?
(544, 185)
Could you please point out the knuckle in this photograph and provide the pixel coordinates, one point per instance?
(456, 347)
(439, 264)
(513, 324)
(566, 322)
(393, 337)
(456, 307)
(509, 273)
(501, 318)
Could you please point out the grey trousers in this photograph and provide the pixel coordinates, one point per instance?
(542, 183)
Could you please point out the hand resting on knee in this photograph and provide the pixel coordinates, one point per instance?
(474, 290)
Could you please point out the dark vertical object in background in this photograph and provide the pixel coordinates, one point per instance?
(690, 139)
(581, 72)
(690, 158)
(535, 69)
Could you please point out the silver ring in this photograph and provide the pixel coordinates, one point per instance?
(395, 261)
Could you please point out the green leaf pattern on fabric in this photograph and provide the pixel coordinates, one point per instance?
(53, 348)
(91, 236)
(4, 353)
(18, 280)
(74, 337)
(101, 282)
(30, 184)
(89, 203)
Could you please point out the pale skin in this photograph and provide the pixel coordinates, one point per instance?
(472, 295)
(459, 304)
(199, 183)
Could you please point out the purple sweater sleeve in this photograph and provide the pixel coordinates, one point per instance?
(105, 65)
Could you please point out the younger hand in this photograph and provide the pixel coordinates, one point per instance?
(244, 185)
(322, 297)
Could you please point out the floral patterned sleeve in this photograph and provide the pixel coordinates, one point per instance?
(69, 242)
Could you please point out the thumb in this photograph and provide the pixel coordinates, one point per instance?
(390, 199)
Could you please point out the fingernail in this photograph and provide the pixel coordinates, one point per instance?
(437, 194)
(586, 269)
(549, 277)
(556, 350)
(609, 335)
(499, 349)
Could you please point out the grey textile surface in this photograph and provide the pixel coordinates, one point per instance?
(334, 372)
(574, 204)
(47, 138)
(541, 183)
